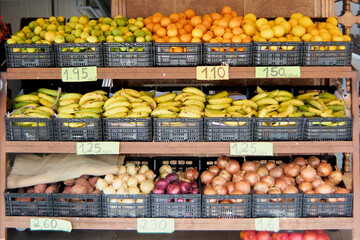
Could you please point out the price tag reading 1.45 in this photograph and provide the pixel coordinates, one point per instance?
(155, 225)
(212, 73)
(277, 72)
(251, 149)
(49, 224)
(267, 224)
(79, 74)
(97, 148)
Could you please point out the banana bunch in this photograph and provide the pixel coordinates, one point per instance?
(322, 105)
(129, 103)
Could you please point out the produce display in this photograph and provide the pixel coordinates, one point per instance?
(266, 235)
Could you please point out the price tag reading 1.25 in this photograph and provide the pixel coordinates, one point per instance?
(277, 72)
(212, 73)
(251, 149)
(79, 74)
(155, 225)
(49, 224)
(97, 148)
(267, 224)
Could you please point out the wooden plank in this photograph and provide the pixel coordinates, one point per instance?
(3, 175)
(196, 224)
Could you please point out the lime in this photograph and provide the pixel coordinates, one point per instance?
(60, 19)
(33, 25)
(87, 29)
(132, 49)
(67, 29)
(31, 50)
(121, 22)
(123, 49)
(59, 39)
(28, 41)
(132, 21)
(79, 40)
(124, 29)
(113, 23)
(109, 38)
(130, 39)
(92, 39)
(119, 39)
(44, 26)
(92, 23)
(38, 30)
(35, 39)
(64, 49)
(148, 38)
(61, 27)
(107, 33)
(72, 25)
(69, 38)
(133, 28)
(101, 19)
(78, 33)
(101, 38)
(75, 50)
(139, 33)
(84, 35)
(84, 19)
(79, 26)
(116, 32)
(139, 24)
(52, 19)
(30, 35)
(74, 19)
(107, 20)
(95, 33)
(140, 49)
(11, 41)
(140, 39)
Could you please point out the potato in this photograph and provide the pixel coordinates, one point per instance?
(78, 189)
(21, 190)
(97, 191)
(52, 189)
(30, 190)
(69, 182)
(84, 176)
(40, 188)
(93, 181)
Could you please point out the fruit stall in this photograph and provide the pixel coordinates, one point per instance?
(218, 116)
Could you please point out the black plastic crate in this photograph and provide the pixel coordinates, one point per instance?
(279, 129)
(86, 54)
(28, 204)
(140, 161)
(328, 129)
(128, 54)
(165, 54)
(77, 205)
(216, 129)
(277, 53)
(178, 129)
(29, 55)
(327, 53)
(264, 159)
(127, 129)
(133, 206)
(176, 206)
(29, 129)
(81, 129)
(276, 205)
(327, 205)
(177, 163)
(213, 208)
(232, 54)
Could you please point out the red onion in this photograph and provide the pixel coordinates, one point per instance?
(261, 186)
(305, 186)
(172, 177)
(324, 169)
(269, 180)
(292, 170)
(238, 176)
(162, 183)
(185, 186)
(194, 185)
(222, 162)
(248, 167)
(276, 172)
(173, 188)
(262, 171)
(270, 165)
(230, 186)
(214, 169)
(243, 186)
(314, 161)
(218, 181)
(232, 166)
(158, 190)
(194, 190)
(220, 190)
(191, 174)
(300, 161)
(252, 177)
(206, 177)
(308, 174)
(280, 183)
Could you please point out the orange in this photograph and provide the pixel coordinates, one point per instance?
(148, 20)
(157, 14)
(220, 39)
(206, 37)
(216, 22)
(237, 31)
(178, 25)
(189, 13)
(174, 40)
(165, 21)
(197, 33)
(226, 40)
(195, 20)
(227, 16)
(156, 27)
(236, 39)
(234, 23)
(223, 22)
(228, 30)
(206, 24)
(178, 49)
(150, 26)
(219, 31)
(174, 17)
(202, 27)
(156, 19)
(155, 37)
(207, 18)
(182, 16)
(171, 25)
(234, 13)
(183, 21)
(226, 10)
(181, 31)
(159, 40)
(247, 40)
(185, 38)
(172, 32)
(243, 36)
(215, 16)
(166, 38)
(228, 35)
(211, 33)
(161, 32)
(195, 40)
(214, 40)
(188, 28)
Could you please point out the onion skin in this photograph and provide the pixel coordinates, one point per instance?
(324, 169)
(300, 161)
(243, 186)
(238, 176)
(269, 180)
(324, 188)
(252, 178)
(262, 171)
(230, 186)
(206, 177)
(291, 190)
(261, 186)
(232, 166)
(292, 169)
(335, 177)
(235, 192)
(276, 172)
(289, 180)
(225, 174)
(280, 183)
(270, 165)
(282, 165)
(341, 191)
(214, 169)
(218, 181)
(317, 182)
(221, 190)
(314, 161)
(209, 190)
(222, 162)
(308, 174)
(248, 167)
(305, 186)
(191, 174)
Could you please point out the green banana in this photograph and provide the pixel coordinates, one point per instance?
(327, 95)
(25, 104)
(51, 92)
(46, 97)
(27, 98)
(70, 95)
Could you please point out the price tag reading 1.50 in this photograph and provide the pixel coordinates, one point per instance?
(96, 148)
(267, 224)
(79, 74)
(251, 149)
(155, 225)
(212, 73)
(49, 224)
(277, 72)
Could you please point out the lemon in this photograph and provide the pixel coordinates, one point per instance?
(95, 33)
(139, 24)
(329, 26)
(107, 20)
(267, 34)
(250, 16)
(306, 37)
(321, 25)
(79, 40)
(287, 26)
(33, 25)
(28, 41)
(79, 26)
(271, 23)
(21, 34)
(282, 39)
(118, 16)
(140, 39)
(332, 20)
(279, 20)
(109, 38)
(40, 21)
(105, 27)
(337, 38)
(101, 38)
(296, 16)
(264, 26)
(249, 29)
(77, 33)
(69, 38)
(346, 38)
(92, 23)
(60, 19)
(74, 19)
(11, 41)
(51, 27)
(298, 30)
(295, 39)
(38, 30)
(116, 32)
(59, 39)
(84, 35)
(279, 31)
(52, 19)
(293, 22)
(50, 36)
(35, 39)
(260, 22)
(326, 36)
(306, 22)
(84, 19)
(316, 38)
(92, 39)
(113, 24)
(314, 32)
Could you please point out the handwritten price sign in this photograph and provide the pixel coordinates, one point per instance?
(97, 148)
(212, 73)
(79, 74)
(277, 72)
(251, 149)
(155, 225)
(49, 224)
(267, 224)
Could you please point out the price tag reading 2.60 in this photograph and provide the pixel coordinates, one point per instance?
(251, 149)
(49, 224)
(277, 72)
(155, 225)
(212, 73)
(267, 224)
(96, 148)
(79, 74)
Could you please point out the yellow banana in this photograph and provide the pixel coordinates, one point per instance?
(308, 114)
(25, 104)
(283, 93)
(327, 95)
(149, 94)
(38, 115)
(282, 98)
(26, 98)
(218, 106)
(46, 97)
(39, 111)
(266, 101)
(115, 110)
(46, 109)
(223, 94)
(224, 100)
(336, 102)
(129, 97)
(294, 102)
(193, 97)
(65, 115)
(138, 115)
(246, 102)
(194, 102)
(259, 90)
(234, 108)
(132, 92)
(137, 104)
(175, 109)
(339, 113)
(308, 95)
(314, 110)
(168, 116)
(45, 103)
(165, 98)
(298, 114)
(141, 109)
(93, 110)
(322, 103)
(70, 95)
(69, 110)
(149, 100)
(68, 101)
(171, 103)
(188, 114)
(272, 107)
(196, 111)
(92, 104)
(194, 91)
(325, 115)
(191, 107)
(75, 124)
(209, 113)
(315, 104)
(91, 96)
(181, 95)
(117, 104)
(158, 112)
(114, 99)
(259, 96)
(288, 111)
(274, 93)
(50, 92)
(118, 115)
(87, 115)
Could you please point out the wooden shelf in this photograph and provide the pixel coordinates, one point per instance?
(197, 224)
(167, 73)
(181, 148)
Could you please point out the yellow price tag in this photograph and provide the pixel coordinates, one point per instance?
(50, 224)
(79, 74)
(267, 224)
(277, 72)
(212, 73)
(97, 148)
(251, 149)
(155, 225)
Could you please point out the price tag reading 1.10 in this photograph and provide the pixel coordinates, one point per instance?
(277, 72)
(155, 225)
(97, 148)
(49, 224)
(212, 73)
(79, 74)
(267, 224)
(251, 149)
